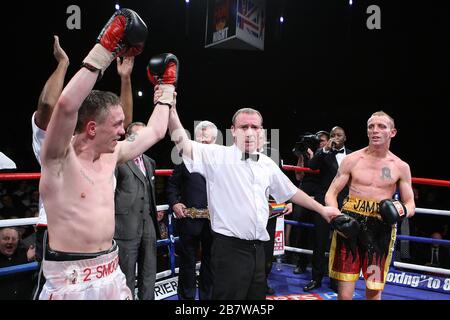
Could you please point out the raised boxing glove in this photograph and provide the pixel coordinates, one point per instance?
(123, 35)
(346, 226)
(162, 70)
(392, 211)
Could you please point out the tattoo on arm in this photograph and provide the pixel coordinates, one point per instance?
(386, 173)
(132, 137)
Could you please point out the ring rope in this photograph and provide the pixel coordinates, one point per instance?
(32, 221)
(300, 169)
(34, 265)
(424, 240)
(18, 222)
(36, 176)
(426, 181)
(399, 237)
(433, 211)
(404, 265)
(18, 268)
(168, 172)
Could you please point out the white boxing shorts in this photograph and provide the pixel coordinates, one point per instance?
(97, 278)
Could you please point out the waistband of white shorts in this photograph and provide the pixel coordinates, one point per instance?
(81, 271)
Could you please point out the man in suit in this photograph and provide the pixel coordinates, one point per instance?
(327, 160)
(186, 195)
(137, 229)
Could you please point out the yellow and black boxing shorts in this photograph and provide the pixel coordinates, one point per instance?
(370, 252)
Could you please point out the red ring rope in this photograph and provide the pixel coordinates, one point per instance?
(168, 172)
(431, 182)
(35, 176)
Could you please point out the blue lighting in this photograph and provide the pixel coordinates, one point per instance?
(281, 19)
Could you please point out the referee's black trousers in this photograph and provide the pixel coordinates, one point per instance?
(238, 269)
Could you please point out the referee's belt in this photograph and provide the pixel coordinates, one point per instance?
(195, 213)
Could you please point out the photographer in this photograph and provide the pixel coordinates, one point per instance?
(304, 150)
(327, 160)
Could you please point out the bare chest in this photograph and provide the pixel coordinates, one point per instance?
(380, 174)
(94, 174)
(88, 177)
(81, 180)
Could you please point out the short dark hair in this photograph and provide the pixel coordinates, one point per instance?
(95, 107)
(337, 128)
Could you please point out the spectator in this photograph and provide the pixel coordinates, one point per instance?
(17, 286)
(438, 254)
(162, 252)
(137, 229)
(327, 160)
(186, 194)
(12, 207)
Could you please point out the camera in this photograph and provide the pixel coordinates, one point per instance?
(306, 141)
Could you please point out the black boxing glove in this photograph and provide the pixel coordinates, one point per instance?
(123, 35)
(346, 226)
(162, 70)
(392, 211)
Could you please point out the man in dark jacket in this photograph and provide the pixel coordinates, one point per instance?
(137, 229)
(327, 160)
(186, 194)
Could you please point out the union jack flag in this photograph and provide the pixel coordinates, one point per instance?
(250, 17)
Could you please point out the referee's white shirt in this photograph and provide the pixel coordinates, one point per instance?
(238, 190)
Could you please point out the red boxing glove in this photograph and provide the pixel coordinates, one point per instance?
(123, 35)
(162, 70)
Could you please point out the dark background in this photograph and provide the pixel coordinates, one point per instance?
(321, 68)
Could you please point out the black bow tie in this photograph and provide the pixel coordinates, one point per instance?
(339, 151)
(254, 157)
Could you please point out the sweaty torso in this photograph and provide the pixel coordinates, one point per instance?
(372, 177)
(78, 197)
